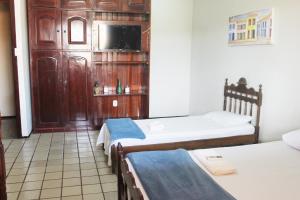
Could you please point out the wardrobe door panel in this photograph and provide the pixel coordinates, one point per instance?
(46, 83)
(77, 87)
(107, 5)
(77, 4)
(45, 28)
(76, 30)
(45, 3)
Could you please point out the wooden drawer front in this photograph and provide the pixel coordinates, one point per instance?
(107, 5)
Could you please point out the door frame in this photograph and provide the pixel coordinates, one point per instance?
(15, 66)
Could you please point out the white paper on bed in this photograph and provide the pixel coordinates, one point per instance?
(268, 171)
(177, 129)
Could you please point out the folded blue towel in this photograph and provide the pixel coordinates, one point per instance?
(124, 128)
(173, 175)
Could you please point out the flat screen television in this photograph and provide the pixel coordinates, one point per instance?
(120, 37)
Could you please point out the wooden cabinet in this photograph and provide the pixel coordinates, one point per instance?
(45, 3)
(46, 84)
(3, 195)
(108, 5)
(77, 4)
(45, 28)
(64, 66)
(135, 6)
(76, 30)
(77, 89)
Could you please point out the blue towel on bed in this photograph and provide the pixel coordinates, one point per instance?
(173, 175)
(124, 128)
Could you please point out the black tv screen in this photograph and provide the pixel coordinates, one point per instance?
(120, 37)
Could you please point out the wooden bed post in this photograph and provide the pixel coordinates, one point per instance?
(121, 184)
(225, 98)
(258, 113)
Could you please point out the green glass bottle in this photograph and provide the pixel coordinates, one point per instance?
(119, 87)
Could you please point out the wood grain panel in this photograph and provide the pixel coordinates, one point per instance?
(3, 195)
(107, 5)
(76, 30)
(77, 87)
(44, 3)
(135, 6)
(46, 83)
(45, 28)
(77, 4)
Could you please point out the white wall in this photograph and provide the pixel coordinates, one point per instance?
(277, 67)
(7, 101)
(23, 67)
(171, 35)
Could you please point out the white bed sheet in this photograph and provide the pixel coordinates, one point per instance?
(268, 171)
(176, 129)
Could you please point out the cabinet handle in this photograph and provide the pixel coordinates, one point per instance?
(65, 31)
(57, 31)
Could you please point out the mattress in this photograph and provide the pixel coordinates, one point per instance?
(268, 171)
(177, 129)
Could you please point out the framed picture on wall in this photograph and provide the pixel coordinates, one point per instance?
(253, 28)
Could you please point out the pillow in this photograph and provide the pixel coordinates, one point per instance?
(292, 139)
(228, 118)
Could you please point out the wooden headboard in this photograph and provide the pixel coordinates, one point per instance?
(240, 99)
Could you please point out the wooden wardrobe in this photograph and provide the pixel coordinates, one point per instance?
(66, 63)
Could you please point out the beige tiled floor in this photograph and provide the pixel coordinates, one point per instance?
(58, 166)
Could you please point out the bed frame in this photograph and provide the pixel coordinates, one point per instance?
(238, 98)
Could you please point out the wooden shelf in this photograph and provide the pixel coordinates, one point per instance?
(121, 62)
(114, 94)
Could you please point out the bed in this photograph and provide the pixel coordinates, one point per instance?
(194, 132)
(267, 171)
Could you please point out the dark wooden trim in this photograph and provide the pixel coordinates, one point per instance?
(3, 195)
(15, 66)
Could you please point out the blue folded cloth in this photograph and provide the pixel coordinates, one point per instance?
(124, 128)
(173, 175)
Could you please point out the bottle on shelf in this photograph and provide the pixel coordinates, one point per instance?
(119, 87)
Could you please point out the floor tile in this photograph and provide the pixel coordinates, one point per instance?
(71, 191)
(89, 172)
(109, 187)
(12, 196)
(34, 177)
(111, 195)
(15, 179)
(90, 180)
(72, 198)
(53, 175)
(71, 182)
(93, 196)
(71, 174)
(28, 195)
(91, 189)
(36, 185)
(51, 193)
(47, 184)
(108, 178)
(16, 187)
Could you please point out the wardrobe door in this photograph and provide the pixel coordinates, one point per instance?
(77, 4)
(45, 3)
(76, 30)
(45, 28)
(136, 6)
(107, 5)
(47, 87)
(77, 88)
